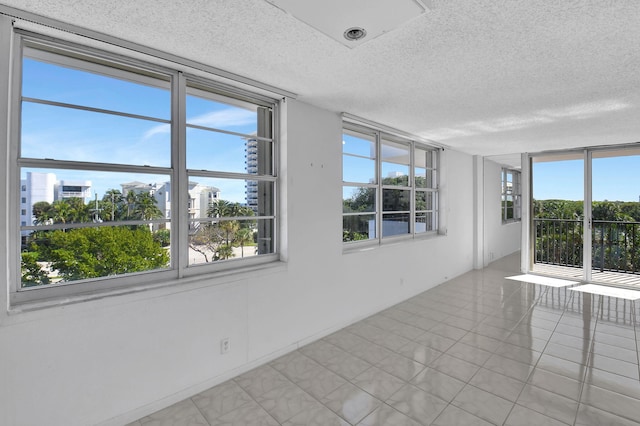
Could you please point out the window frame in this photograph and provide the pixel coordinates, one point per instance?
(380, 136)
(515, 193)
(115, 65)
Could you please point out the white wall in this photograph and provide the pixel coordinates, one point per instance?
(499, 239)
(112, 360)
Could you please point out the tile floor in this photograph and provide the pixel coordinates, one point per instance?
(477, 350)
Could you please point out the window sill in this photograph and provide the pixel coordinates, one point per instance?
(369, 245)
(145, 291)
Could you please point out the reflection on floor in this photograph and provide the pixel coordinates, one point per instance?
(605, 277)
(477, 350)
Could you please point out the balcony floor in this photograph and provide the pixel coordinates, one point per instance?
(477, 350)
(617, 279)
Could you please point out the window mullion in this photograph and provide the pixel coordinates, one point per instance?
(379, 194)
(180, 186)
(412, 184)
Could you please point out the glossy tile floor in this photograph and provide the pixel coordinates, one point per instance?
(477, 350)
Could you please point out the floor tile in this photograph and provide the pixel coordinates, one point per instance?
(385, 415)
(347, 365)
(614, 382)
(469, 353)
(562, 367)
(497, 384)
(286, 401)
(435, 341)
(261, 380)
(419, 353)
(590, 416)
(548, 403)
(615, 403)
(417, 404)
(371, 352)
(615, 366)
(183, 413)
(461, 370)
(250, 414)
(483, 404)
(344, 340)
(320, 381)
(316, 416)
(522, 416)
(400, 366)
(221, 399)
(351, 403)
(556, 383)
(511, 354)
(439, 384)
(509, 367)
(449, 331)
(479, 341)
(453, 415)
(378, 383)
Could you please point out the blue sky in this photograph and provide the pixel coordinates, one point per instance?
(614, 179)
(95, 137)
(77, 135)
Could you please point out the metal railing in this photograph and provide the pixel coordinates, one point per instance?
(615, 245)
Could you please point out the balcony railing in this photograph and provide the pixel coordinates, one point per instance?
(615, 245)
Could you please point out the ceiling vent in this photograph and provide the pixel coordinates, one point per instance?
(354, 22)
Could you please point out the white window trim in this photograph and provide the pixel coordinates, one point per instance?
(516, 194)
(381, 133)
(11, 41)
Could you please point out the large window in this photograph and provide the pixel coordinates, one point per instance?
(129, 173)
(390, 186)
(511, 195)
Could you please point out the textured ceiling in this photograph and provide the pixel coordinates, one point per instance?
(486, 77)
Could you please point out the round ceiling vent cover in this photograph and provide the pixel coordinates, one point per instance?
(355, 33)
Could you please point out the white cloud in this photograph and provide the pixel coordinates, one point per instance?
(231, 117)
(515, 122)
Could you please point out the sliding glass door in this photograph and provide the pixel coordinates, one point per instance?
(585, 215)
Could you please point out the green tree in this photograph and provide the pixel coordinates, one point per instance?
(215, 241)
(146, 207)
(101, 251)
(243, 236)
(32, 272)
(42, 212)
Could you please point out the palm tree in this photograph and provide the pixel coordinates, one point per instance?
(131, 199)
(111, 201)
(146, 207)
(243, 236)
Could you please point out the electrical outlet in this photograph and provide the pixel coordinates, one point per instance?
(225, 345)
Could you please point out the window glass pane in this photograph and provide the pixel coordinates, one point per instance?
(63, 255)
(424, 222)
(358, 144)
(395, 163)
(397, 153)
(132, 94)
(424, 200)
(358, 227)
(76, 135)
(215, 197)
(209, 150)
(215, 114)
(425, 158)
(395, 224)
(395, 174)
(55, 196)
(229, 239)
(396, 200)
(356, 169)
(358, 199)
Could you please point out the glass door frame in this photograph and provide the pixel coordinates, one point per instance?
(528, 237)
